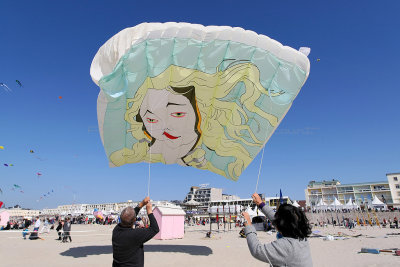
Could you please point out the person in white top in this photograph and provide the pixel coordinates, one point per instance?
(46, 227)
(37, 224)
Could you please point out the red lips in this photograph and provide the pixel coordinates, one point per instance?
(170, 136)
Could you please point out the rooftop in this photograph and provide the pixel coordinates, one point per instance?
(365, 183)
(324, 182)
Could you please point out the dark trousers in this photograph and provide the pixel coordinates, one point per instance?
(66, 236)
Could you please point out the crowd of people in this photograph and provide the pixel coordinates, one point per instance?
(291, 225)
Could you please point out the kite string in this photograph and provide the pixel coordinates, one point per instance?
(259, 169)
(262, 155)
(148, 180)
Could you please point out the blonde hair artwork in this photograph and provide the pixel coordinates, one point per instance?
(217, 125)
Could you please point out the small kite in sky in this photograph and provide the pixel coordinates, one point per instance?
(1, 147)
(16, 187)
(38, 174)
(5, 164)
(19, 83)
(21, 191)
(1, 191)
(1, 204)
(6, 88)
(31, 151)
(318, 59)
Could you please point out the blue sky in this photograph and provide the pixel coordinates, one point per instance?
(344, 124)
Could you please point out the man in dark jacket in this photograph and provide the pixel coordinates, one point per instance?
(127, 242)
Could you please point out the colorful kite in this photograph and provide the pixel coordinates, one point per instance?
(38, 174)
(6, 88)
(1, 204)
(1, 147)
(98, 214)
(206, 97)
(31, 151)
(5, 164)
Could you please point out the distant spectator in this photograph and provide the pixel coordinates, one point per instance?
(67, 230)
(37, 224)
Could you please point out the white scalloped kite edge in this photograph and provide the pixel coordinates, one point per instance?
(110, 53)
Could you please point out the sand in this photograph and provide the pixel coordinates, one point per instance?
(91, 246)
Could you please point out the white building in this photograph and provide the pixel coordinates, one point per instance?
(203, 194)
(230, 197)
(26, 213)
(361, 193)
(106, 208)
(394, 184)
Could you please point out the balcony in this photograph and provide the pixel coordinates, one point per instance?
(362, 190)
(345, 191)
(381, 189)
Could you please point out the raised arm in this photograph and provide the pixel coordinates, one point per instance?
(268, 212)
(141, 205)
(145, 234)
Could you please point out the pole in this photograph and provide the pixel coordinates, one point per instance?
(217, 218)
(210, 219)
(230, 223)
(223, 211)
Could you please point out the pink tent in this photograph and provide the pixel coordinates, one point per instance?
(4, 217)
(171, 221)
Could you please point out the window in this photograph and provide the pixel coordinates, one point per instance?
(395, 178)
(397, 186)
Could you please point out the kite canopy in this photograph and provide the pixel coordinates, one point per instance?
(206, 97)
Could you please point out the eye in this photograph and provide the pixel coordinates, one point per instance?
(178, 114)
(151, 120)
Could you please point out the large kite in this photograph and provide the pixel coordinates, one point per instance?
(206, 97)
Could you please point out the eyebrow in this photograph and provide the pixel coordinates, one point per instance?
(148, 112)
(169, 103)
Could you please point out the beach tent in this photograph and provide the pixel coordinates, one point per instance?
(4, 217)
(377, 204)
(295, 204)
(350, 205)
(321, 205)
(170, 220)
(336, 205)
(254, 213)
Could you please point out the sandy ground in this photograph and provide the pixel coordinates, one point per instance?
(91, 246)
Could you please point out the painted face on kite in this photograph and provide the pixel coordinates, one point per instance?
(168, 95)
(169, 117)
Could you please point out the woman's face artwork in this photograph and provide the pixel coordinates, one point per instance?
(169, 118)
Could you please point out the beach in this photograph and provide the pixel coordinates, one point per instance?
(91, 246)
